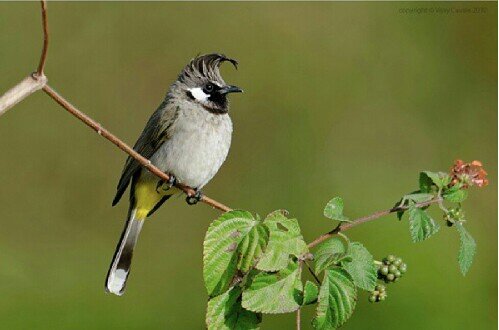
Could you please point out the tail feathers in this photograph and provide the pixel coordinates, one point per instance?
(120, 266)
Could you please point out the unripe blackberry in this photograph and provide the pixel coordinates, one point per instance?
(390, 259)
(391, 269)
(379, 294)
(454, 215)
(403, 268)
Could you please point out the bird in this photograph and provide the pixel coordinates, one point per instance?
(188, 137)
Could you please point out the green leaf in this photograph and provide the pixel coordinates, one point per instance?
(252, 246)
(225, 312)
(334, 210)
(467, 249)
(285, 240)
(362, 267)
(419, 197)
(329, 253)
(414, 197)
(220, 254)
(421, 226)
(337, 298)
(310, 293)
(427, 179)
(273, 293)
(455, 194)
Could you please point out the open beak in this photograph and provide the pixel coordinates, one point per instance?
(230, 89)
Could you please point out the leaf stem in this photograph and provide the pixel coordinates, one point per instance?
(341, 227)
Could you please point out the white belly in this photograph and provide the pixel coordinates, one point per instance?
(197, 148)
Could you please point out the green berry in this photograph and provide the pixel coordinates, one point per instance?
(390, 258)
(390, 277)
(373, 298)
(381, 288)
(403, 268)
(384, 270)
(397, 262)
(397, 273)
(392, 269)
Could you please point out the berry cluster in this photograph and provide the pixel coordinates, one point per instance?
(379, 294)
(391, 269)
(453, 216)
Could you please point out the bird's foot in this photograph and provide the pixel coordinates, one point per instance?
(163, 186)
(194, 199)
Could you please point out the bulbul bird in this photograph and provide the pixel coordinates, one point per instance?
(188, 137)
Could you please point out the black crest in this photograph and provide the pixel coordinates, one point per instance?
(205, 67)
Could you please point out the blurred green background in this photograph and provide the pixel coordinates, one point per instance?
(348, 99)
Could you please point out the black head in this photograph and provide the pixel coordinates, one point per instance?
(202, 83)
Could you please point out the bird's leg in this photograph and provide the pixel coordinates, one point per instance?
(165, 186)
(194, 199)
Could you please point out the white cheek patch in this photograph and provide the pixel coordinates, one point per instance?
(198, 94)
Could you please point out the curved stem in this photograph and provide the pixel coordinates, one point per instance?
(376, 215)
(43, 57)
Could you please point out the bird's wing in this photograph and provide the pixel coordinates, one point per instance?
(153, 136)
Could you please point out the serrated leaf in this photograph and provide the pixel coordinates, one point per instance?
(419, 197)
(337, 298)
(328, 253)
(274, 293)
(310, 293)
(285, 240)
(467, 249)
(425, 182)
(455, 194)
(252, 246)
(427, 179)
(220, 253)
(362, 267)
(225, 312)
(421, 225)
(334, 210)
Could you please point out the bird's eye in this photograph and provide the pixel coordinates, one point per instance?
(208, 88)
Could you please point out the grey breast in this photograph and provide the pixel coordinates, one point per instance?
(198, 145)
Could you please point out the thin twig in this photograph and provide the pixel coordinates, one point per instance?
(298, 319)
(43, 57)
(123, 146)
(345, 226)
(298, 311)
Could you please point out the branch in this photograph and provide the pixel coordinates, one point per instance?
(34, 81)
(298, 311)
(298, 319)
(38, 81)
(345, 226)
(43, 57)
(19, 92)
